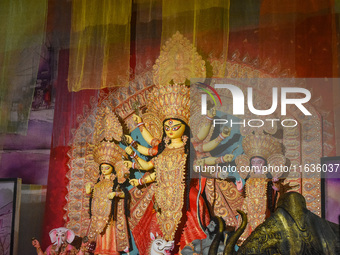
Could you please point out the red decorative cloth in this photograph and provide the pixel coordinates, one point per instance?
(187, 231)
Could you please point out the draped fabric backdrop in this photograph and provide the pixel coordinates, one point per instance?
(22, 33)
(100, 44)
(204, 23)
(69, 105)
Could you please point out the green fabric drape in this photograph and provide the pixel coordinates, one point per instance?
(22, 32)
(100, 44)
(204, 23)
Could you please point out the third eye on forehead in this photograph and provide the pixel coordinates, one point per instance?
(175, 125)
(173, 122)
(258, 160)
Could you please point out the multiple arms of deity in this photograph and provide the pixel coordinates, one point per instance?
(202, 134)
(203, 147)
(148, 165)
(142, 149)
(145, 133)
(139, 162)
(144, 180)
(205, 129)
(147, 137)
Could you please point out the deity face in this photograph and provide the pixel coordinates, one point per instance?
(174, 128)
(258, 162)
(106, 169)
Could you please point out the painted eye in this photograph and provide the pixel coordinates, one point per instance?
(167, 128)
(176, 128)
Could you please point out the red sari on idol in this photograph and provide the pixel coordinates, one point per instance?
(172, 221)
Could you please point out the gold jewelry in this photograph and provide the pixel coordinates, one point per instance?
(185, 139)
(152, 151)
(154, 142)
(166, 141)
(134, 155)
(219, 160)
(220, 138)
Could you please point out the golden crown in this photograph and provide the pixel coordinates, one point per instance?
(107, 129)
(107, 152)
(107, 126)
(261, 145)
(172, 101)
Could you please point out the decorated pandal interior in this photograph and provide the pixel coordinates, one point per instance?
(132, 185)
(174, 127)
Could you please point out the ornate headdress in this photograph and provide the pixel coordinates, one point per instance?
(172, 101)
(261, 146)
(108, 131)
(111, 153)
(178, 62)
(107, 152)
(107, 126)
(264, 146)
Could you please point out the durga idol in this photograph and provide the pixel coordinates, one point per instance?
(170, 165)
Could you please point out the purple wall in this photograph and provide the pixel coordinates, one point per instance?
(28, 157)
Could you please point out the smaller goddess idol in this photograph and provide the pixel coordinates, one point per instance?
(173, 191)
(260, 150)
(109, 195)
